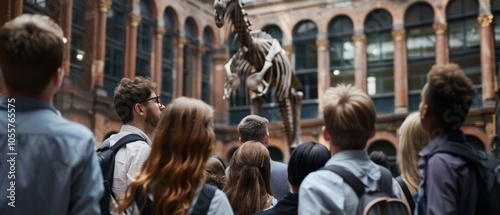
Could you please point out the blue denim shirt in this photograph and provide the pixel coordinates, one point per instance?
(448, 184)
(53, 168)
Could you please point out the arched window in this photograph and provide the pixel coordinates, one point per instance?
(340, 31)
(275, 32)
(306, 65)
(45, 7)
(464, 40)
(190, 55)
(167, 64)
(380, 56)
(420, 43)
(77, 54)
(495, 9)
(115, 43)
(144, 40)
(206, 64)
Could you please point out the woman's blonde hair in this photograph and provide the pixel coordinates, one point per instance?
(412, 139)
(249, 179)
(183, 141)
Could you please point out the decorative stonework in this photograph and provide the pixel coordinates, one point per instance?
(399, 35)
(440, 28)
(134, 19)
(485, 20)
(160, 31)
(322, 45)
(359, 39)
(180, 42)
(104, 5)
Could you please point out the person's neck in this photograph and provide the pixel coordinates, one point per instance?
(139, 125)
(334, 149)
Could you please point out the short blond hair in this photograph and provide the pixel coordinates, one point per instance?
(349, 115)
(412, 138)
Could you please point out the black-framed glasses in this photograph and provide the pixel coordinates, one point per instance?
(157, 100)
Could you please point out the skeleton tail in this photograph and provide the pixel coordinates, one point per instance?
(287, 117)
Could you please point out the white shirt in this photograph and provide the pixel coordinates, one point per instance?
(129, 158)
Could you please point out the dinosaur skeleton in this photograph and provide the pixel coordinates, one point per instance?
(261, 59)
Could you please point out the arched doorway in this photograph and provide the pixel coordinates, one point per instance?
(389, 150)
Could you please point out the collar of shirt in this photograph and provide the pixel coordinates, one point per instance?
(22, 104)
(126, 129)
(348, 155)
(451, 135)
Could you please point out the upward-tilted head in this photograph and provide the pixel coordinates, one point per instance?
(222, 7)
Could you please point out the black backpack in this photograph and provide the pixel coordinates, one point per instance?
(106, 159)
(201, 206)
(487, 170)
(406, 192)
(377, 202)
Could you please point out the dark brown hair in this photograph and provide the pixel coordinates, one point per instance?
(216, 171)
(130, 92)
(254, 128)
(449, 94)
(31, 52)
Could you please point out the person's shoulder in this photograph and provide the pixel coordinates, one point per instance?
(278, 165)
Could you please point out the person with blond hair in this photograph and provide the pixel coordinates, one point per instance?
(412, 138)
(48, 162)
(349, 117)
(448, 183)
(249, 184)
(171, 180)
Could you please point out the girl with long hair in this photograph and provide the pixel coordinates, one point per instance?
(249, 186)
(173, 175)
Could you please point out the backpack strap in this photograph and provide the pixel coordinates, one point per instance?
(349, 178)
(122, 141)
(407, 193)
(201, 206)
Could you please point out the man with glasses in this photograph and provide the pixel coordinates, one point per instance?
(139, 109)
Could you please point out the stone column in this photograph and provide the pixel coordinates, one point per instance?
(180, 42)
(218, 76)
(100, 43)
(158, 53)
(131, 44)
(442, 49)
(360, 66)
(400, 71)
(323, 70)
(487, 58)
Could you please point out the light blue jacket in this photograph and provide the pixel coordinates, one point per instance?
(55, 169)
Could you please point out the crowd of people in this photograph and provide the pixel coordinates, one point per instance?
(57, 170)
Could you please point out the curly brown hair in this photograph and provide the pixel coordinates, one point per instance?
(449, 94)
(128, 93)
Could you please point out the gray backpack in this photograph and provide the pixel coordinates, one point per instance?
(373, 202)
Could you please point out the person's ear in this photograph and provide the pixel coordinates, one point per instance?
(372, 134)
(58, 77)
(326, 135)
(138, 109)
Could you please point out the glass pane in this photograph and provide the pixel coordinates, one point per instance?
(190, 29)
(274, 31)
(142, 67)
(380, 79)
(344, 76)
(373, 51)
(456, 37)
(387, 46)
(417, 73)
(305, 29)
(309, 85)
(472, 34)
(496, 26)
(420, 42)
(378, 20)
(471, 66)
(341, 25)
(168, 44)
(419, 13)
